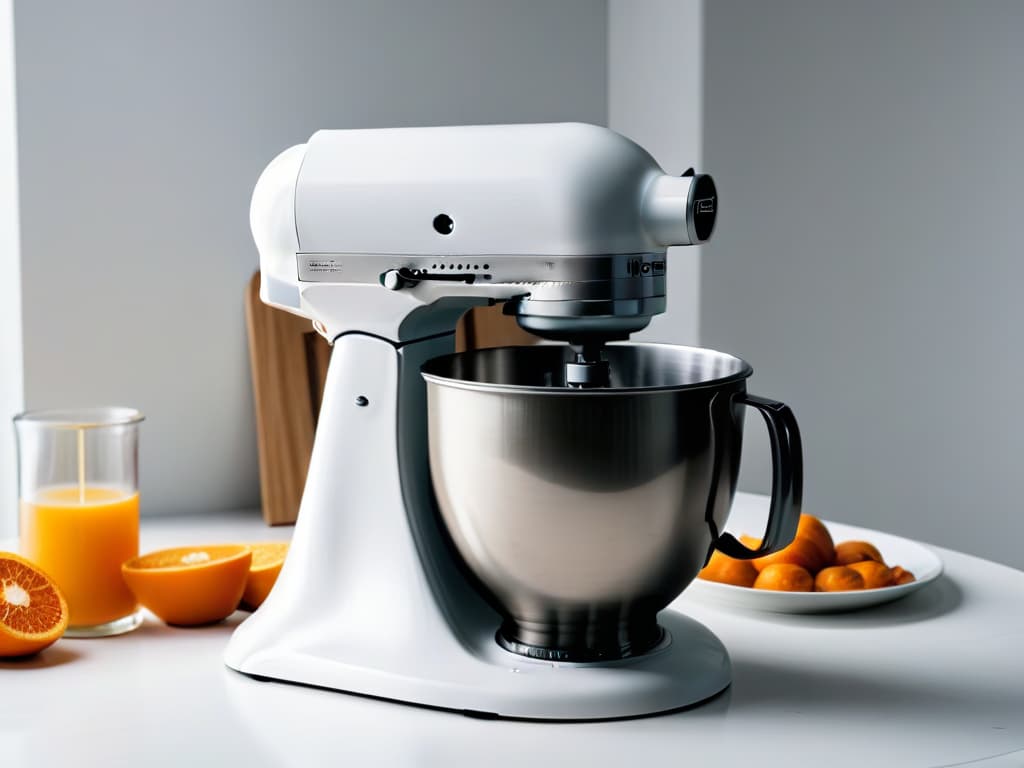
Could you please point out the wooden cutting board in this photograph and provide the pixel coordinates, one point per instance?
(487, 327)
(289, 360)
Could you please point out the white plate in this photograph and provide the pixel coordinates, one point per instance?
(895, 550)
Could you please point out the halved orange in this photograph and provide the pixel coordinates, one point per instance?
(267, 559)
(33, 612)
(189, 586)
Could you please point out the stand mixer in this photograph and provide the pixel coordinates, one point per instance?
(507, 548)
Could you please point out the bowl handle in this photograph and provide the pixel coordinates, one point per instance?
(787, 481)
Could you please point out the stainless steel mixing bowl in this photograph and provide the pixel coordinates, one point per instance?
(583, 512)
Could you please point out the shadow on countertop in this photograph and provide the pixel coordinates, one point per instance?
(799, 688)
(54, 656)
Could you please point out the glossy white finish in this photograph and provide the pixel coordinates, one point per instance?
(896, 550)
(930, 680)
(272, 221)
(664, 210)
(336, 308)
(555, 189)
(363, 606)
(558, 190)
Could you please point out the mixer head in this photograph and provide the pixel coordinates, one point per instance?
(398, 231)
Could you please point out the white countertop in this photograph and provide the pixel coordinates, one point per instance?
(935, 679)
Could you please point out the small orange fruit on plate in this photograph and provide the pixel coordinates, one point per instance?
(838, 578)
(750, 542)
(901, 576)
(812, 528)
(857, 552)
(189, 586)
(875, 574)
(784, 577)
(800, 551)
(267, 559)
(33, 612)
(729, 570)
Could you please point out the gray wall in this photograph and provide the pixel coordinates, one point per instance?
(654, 98)
(868, 254)
(143, 127)
(10, 293)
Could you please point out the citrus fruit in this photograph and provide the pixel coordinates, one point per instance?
(812, 528)
(856, 552)
(838, 578)
(189, 586)
(901, 575)
(802, 552)
(750, 542)
(729, 570)
(267, 559)
(33, 612)
(875, 574)
(784, 577)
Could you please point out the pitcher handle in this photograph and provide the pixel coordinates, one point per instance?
(787, 481)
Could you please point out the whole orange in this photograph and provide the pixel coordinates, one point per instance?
(784, 577)
(802, 552)
(856, 551)
(838, 578)
(729, 570)
(812, 528)
(875, 574)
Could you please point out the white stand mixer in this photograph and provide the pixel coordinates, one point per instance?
(384, 238)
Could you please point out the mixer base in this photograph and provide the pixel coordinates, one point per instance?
(363, 605)
(690, 666)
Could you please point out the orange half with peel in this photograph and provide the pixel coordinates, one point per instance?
(33, 612)
(190, 586)
(267, 559)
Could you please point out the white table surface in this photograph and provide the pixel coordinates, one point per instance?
(936, 679)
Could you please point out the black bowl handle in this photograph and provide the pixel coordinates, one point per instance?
(787, 481)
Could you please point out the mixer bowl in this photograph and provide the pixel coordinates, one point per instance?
(581, 513)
